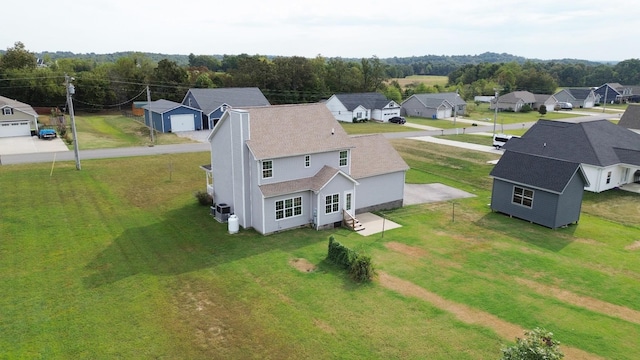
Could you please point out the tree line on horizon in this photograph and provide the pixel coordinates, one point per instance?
(115, 83)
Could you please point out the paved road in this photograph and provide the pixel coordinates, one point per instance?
(198, 147)
(103, 153)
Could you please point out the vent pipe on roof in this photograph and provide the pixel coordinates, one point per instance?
(332, 131)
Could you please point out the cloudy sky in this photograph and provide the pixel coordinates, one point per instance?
(543, 29)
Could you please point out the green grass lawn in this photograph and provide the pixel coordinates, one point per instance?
(482, 112)
(113, 131)
(118, 261)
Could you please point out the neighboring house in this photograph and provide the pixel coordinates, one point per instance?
(362, 106)
(513, 101)
(170, 116)
(17, 118)
(549, 101)
(578, 97)
(631, 118)
(434, 106)
(616, 93)
(214, 102)
(609, 154)
(523, 188)
(287, 166)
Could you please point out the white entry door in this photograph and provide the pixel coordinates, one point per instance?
(348, 202)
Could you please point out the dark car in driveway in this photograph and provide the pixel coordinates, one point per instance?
(397, 120)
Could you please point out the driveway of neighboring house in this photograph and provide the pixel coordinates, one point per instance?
(30, 145)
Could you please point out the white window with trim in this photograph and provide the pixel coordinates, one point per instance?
(522, 196)
(344, 158)
(332, 203)
(609, 177)
(288, 208)
(7, 111)
(307, 161)
(267, 169)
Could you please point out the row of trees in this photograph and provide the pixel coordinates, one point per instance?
(106, 84)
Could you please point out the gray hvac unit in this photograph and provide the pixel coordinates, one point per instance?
(222, 212)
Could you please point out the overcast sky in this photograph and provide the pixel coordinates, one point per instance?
(542, 29)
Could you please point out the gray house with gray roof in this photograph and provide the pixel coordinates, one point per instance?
(352, 107)
(539, 189)
(513, 101)
(214, 102)
(434, 106)
(631, 118)
(609, 154)
(578, 97)
(287, 166)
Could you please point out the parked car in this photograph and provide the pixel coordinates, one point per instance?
(397, 120)
(47, 133)
(564, 106)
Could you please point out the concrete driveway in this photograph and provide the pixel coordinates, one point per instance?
(30, 145)
(428, 193)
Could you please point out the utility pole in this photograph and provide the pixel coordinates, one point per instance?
(455, 108)
(70, 91)
(606, 90)
(495, 115)
(153, 140)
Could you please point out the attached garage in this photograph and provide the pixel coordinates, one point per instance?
(15, 128)
(182, 122)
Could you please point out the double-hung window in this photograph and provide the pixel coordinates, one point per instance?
(267, 169)
(522, 196)
(289, 208)
(344, 158)
(307, 161)
(332, 203)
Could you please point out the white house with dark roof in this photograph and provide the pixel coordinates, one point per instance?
(434, 106)
(214, 102)
(362, 106)
(288, 166)
(609, 154)
(17, 118)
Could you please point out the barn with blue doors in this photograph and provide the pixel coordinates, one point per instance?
(169, 116)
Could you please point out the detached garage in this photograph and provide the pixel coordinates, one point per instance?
(17, 119)
(168, 116)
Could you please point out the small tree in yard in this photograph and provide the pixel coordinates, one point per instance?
(542, 109)
(538, 344)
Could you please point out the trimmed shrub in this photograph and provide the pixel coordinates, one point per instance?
(204, 198)
(359, 266)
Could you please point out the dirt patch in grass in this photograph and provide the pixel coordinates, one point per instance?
(634, 246)
(406, 249)
(583, 301)
(302, 265)
(324, 326)
(467, 314)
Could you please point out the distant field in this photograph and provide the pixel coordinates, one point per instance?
(429, 80)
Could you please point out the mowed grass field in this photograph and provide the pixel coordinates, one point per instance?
(118, 261)
(429, 80)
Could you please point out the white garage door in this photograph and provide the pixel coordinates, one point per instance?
(15, 128)
(182, 122)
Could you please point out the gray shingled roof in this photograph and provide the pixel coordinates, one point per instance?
(590, 142)
(314, 183)
(14, 104)
(210, 99)
(579, 93)
(513, 97)
(430, 102)
(162, 106)
(373, 155)
(288, 130)
(631, 117)
(533, 171)
(371, 100)
(451, 97)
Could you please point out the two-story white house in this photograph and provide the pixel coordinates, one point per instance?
(287, 166)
